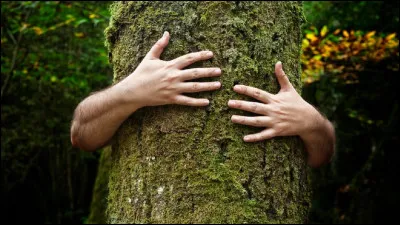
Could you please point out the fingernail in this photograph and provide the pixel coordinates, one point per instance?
(209, 54)
(246, 138)
(279, 63)
(207, 101)
(237, 88)
(217, 84)
(233, 118)
(231, 103)
(165, 34)
(217, 71)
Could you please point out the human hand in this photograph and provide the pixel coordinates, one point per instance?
(283, 114)
(158, 82)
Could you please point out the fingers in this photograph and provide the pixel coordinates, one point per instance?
(158, 47)
(253, 92)
(282, 78)
(188, 59)
(191, 74)
(184, 100)
(190, 87)
(257, 121)
(254, 107)
(263, 135)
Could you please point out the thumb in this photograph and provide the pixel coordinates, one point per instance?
(281, 76)
(158, 47)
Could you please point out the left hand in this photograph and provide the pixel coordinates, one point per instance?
(283, 114)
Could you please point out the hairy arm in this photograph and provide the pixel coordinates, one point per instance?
(98, 116)
(286, 114)
(154, 82)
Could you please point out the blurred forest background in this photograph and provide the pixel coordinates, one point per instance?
(53, 55)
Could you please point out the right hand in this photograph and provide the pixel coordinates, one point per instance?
(157, 82)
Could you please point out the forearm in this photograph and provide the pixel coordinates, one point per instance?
(320, 141)
(97, 118)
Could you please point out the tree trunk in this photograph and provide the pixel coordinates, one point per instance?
(98, 205)
(179, 164)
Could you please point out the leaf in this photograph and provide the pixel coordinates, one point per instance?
(37, 30)
(92, 16)
(390, 36)
(370, 34)
(311, 37)
(337, 31)
(345, 33)
(53, 79)
(317, 57)
(324, 30)
(306, 43)
(79, 22)
(79, 35)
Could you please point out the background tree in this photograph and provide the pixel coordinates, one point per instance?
(178, 164)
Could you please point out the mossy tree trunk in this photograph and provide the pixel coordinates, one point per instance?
(179, 164)
(98, 205)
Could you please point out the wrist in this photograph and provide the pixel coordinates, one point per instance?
(314, 123)
(126, 94)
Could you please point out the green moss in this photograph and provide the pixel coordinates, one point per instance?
(100, 192)
(178, 164)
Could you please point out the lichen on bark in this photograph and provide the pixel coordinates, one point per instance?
(179, 164)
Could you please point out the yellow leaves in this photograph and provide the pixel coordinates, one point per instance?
(38, 30)
(305, 43)
(345, 34)
(370, 34)
(92, 16)
(24, 26)
(53, 79)
(342, 57)
(79, 35)
(69, 20)
(390, 36)
(324, 30)
(337, 31)
(311, 37)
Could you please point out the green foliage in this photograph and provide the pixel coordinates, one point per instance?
(52, 56)
(382, 16)
(358, 186)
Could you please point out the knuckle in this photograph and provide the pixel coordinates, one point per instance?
(173, 99)
(190, 58)
(190, 102)
(254, 106)
(171, 77)
(279, 128)
(277, 109)
(196, 74)
(257, 93)
(245, 90)
(195, 86)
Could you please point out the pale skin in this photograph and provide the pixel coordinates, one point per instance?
(157, 82)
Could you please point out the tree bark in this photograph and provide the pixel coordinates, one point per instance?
(179, 164)
(98, 205)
